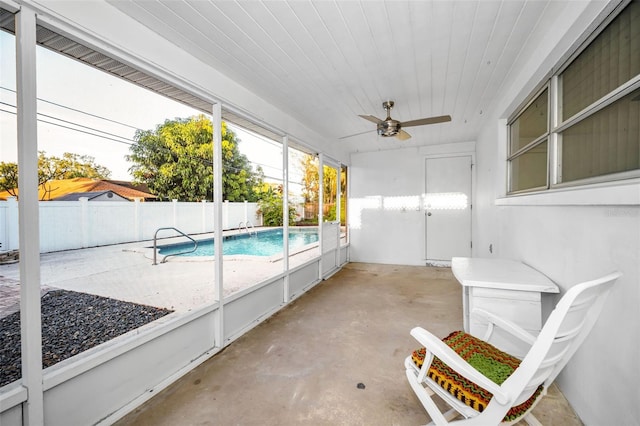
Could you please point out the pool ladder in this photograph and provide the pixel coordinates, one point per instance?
(248, 225)
(155, 246)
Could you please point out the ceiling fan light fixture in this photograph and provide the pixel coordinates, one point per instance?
(388, 128)
(387, 133)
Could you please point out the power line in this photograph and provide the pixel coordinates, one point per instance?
(255, 135)
(130, 142)
(231, 125)
(77, 110)
(70, 122)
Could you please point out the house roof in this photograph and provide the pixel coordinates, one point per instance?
(75, 196)
(57, 188)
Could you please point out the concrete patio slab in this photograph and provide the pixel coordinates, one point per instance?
(332, 357)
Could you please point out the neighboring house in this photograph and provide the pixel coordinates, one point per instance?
(55, 189)
(142, 187)
(92, 196)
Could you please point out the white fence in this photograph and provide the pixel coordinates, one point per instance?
(66, 225)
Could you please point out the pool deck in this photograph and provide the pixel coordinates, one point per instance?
(125, 272)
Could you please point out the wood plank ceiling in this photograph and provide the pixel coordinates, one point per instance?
(326, 62)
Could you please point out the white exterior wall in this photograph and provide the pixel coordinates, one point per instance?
(570, 244)
(570, 236)
(376, 235)
(383, 235)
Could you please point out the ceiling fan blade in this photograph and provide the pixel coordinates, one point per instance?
(429, 120)
(356, 134)
(403, 136)
(371, 118)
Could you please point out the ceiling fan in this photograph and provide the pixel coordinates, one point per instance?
(390, 127)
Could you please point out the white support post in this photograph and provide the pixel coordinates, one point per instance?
(225, 215)
(204, 215)
(28, 217)
(137, 220)
(285, 216)
(174, 212)
(85, 226)
(246, 211)
(348, 210)
(4, 226)
(217, 219)
(12, 224)
(338, 196)
(320, 212)
(338, 211)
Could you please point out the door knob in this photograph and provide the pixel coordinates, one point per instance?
(429, 214)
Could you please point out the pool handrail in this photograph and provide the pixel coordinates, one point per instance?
(164, 259)
(247, 224)
(253, 227)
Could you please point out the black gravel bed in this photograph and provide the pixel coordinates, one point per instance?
(72, 322)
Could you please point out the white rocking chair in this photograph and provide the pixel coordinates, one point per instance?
(487, 386)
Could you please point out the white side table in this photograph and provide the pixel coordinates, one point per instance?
(507, 288)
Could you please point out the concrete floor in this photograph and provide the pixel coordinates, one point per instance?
(304, 364)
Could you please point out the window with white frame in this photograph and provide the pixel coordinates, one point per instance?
(583, 125)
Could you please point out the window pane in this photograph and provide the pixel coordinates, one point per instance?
(303, 199)
(310, 180)
(612, 59)
(531, 124)
(607, 142)
(330, 193)
(529, 170)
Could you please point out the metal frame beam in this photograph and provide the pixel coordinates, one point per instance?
(217, 218)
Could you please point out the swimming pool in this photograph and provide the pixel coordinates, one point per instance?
(264, 243)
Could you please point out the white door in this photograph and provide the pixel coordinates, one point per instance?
(448, 207)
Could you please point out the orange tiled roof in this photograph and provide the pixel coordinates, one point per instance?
(58, 188)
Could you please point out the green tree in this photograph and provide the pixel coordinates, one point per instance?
(271, 206)
(9, 178)
(310, 178)
(311, 181)
(53, 168)
(176, 161)
(311, 185)
(70, 166)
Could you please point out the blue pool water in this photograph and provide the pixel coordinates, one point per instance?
(266, 243)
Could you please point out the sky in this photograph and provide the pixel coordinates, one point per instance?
(70, 92)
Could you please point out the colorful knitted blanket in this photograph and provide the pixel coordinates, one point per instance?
(484, 357)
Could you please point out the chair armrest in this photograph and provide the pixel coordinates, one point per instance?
(506, 325)
(447, 355)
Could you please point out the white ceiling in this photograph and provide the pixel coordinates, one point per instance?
(326, 62)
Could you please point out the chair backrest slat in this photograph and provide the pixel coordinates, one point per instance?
(565, 330)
